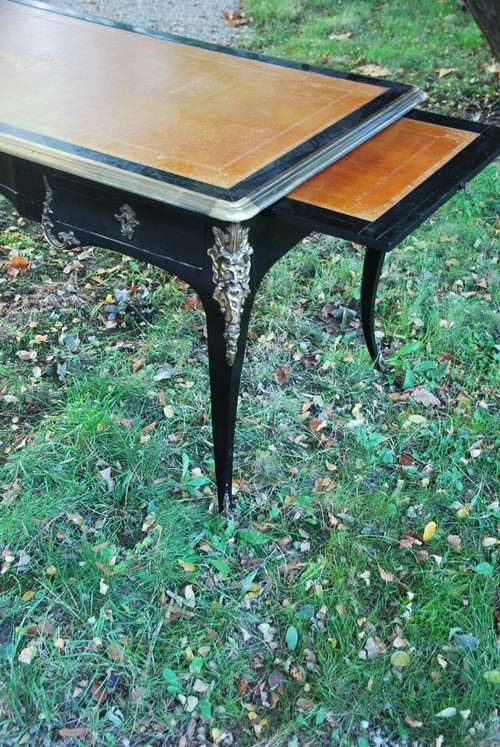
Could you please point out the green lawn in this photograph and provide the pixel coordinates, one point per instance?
(352, 601)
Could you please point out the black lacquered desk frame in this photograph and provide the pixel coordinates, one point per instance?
(225, 261)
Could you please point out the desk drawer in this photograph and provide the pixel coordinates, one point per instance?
(101, 216)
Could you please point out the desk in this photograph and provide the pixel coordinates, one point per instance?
(213, 163)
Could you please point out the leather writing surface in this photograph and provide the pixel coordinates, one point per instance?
(213, 117)
(369, 180)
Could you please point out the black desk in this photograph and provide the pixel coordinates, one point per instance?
(187, 176)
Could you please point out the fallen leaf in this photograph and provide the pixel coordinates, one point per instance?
(317, 424)
(442, 71)
(492, 676)
(297, 673)
(400, 659)
(442, 661)
(399, 642)
(138, 363)
(191, 703)
(217, 735)
(27, 355)
(454, 541)
(304, 704)
(116, 652)
(413, 721)
(384, 575)
(378, 71)
(78, 731)
(99, 691)
(45, 627)
(341, 609)
(27, 654)
(374, 646)
(343, 36)
(165, 372)
(187, 566)
(16, 265)
(489, 541)
(426, 398)
(406, 460)
(193, 302)
(447, 713)
(189, 596)
(429, 530)
(281, 375)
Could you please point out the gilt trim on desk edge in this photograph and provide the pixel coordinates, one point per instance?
(231, 262)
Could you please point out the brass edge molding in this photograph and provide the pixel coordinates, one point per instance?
(63, 240)
(231, 262)
(127, 220)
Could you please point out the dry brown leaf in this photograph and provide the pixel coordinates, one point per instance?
(304, 704)
(399, 642)
(442, 71)
(406, 459)
(27, 355)
(384, 575)
(16, 265)
(193, 302)
(413, 721)
(138, 363)
(116, 652)
(77, 731)
(342, 36)
(281, 375)
(317, 424)
(454, 541)
(99, 691)
(243, 685)
(234, 17)
(374, 646)
(426, 398)
(378, 71)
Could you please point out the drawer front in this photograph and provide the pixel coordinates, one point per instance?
(95, 214)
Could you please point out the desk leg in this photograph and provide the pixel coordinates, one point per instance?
(227, 309)
(224, 390)
(372, 267)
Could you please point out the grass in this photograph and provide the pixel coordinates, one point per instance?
(129, 609)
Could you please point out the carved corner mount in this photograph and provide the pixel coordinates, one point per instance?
(231, 263)
(64, 239)
(127, 220)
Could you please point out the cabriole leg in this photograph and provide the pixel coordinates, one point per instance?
(228, 311)
(372, 267)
